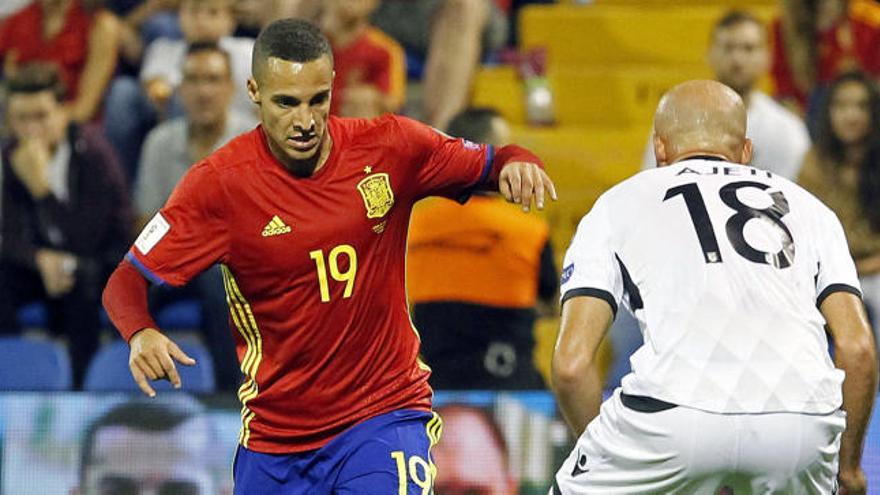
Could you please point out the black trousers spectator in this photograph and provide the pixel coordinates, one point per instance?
(74, 315)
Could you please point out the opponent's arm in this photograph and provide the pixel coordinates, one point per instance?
(855, 354)
(575, 375)
(152, 353)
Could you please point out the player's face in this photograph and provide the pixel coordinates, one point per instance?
(36, 116)
(206, 89)
(738, 55)
(850, 114)
(206, 20)
(294, 99)
(131, 462)
(467, 437)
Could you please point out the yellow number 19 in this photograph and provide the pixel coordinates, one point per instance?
(347, 276)
(423, 477)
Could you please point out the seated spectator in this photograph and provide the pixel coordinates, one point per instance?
(65, 214)
(474, 276)
(77, 36)
(208, 123)
(370, 67)
(452, 36)
(739, 56)
(133, 108)
(143, 21)
(818, 40)
(843, 170)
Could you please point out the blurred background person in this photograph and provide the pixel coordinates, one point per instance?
(739, 56)
(475, 274)
(76, 35)
(472, 456)
(65, 214)
(370, 67)
(134, 107)
(817, 40)
(165, 446)
(170, 149)
(843, 170)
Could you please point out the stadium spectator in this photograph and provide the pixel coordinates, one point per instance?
(143, 21)
(739, 56)
(472, 457)
(735, 275)
(65, 214)
(451, 36)
(169, 150)
(308, 214)
(133, 107)
(843, 170)
(474, 275)
(76, 35)
(166, 446)
(816, 40)
(370, 67)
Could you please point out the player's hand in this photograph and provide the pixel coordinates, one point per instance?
(852, 482)
(519, 182)
(152, 357)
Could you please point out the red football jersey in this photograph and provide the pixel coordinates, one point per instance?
(314, 270)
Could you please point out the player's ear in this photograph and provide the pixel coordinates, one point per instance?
(253, 90)
(660, 153)
(746, 156)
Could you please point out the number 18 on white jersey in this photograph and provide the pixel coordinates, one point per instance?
(724, 267)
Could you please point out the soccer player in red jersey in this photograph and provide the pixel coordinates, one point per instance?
(307, 215)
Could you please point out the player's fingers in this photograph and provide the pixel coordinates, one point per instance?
(155, 365)
(539, 187)
(141, 380)
(504, 187)
(515, 179)
(170, 370)
(141, 363)
(527, 184)
(548, 184)
(178, 354)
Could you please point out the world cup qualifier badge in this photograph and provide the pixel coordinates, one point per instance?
(377, 194)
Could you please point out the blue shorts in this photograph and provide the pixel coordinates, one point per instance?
(387, 455)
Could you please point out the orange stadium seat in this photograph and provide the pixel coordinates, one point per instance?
(593, 35)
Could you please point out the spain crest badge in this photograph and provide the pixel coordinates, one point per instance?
(377, 194)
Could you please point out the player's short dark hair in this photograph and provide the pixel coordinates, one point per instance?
(735, 18)
(142, 415)
(36, 77)
(293, 40)
(207, 47)
(473, 124)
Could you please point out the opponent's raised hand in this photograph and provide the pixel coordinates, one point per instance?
(520, 182)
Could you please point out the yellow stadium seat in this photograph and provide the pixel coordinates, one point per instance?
(593, 35)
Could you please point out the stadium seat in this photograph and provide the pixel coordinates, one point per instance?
(33, 365)
(180, 315)
(34, 315)
(108, 371)
(589, 36)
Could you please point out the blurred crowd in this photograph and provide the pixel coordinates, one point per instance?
(106, 104)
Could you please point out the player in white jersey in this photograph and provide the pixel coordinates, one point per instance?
(733, 274)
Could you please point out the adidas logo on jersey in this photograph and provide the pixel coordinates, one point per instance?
(276, 226)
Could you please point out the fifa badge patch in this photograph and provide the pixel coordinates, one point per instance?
(566, 273)
(377, 194)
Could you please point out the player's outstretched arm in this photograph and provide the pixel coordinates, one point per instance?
(855, 354)
(520, 182)
(575, 375)
(152, 354)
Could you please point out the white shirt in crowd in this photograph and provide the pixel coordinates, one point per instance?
(724, 266)
(780, 138)
(164, 59)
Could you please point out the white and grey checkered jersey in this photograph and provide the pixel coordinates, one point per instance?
(724, 266)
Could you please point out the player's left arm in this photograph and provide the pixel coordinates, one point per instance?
(575, 373)
(455, 167)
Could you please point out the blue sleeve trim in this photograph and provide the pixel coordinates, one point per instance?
(487, 167)
(149, 275)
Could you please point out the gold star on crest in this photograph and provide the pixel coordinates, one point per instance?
(368, 169)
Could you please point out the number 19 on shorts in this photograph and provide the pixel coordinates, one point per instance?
(333, 259)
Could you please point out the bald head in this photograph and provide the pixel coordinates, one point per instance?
(701, 118)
